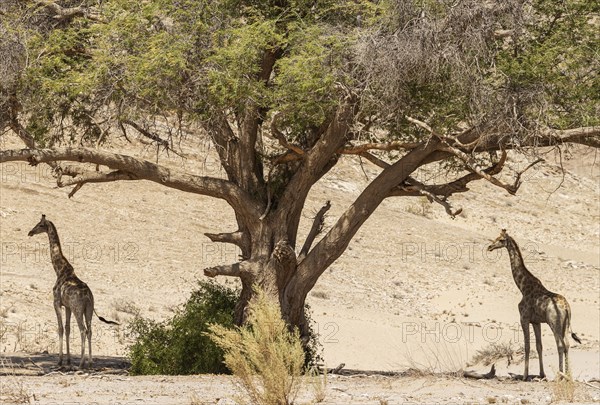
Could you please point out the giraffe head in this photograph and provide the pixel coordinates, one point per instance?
(500, 242)
(41, 227)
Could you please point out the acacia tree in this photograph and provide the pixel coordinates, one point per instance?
(286, 89)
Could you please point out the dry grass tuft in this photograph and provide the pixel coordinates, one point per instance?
(318, 383)
(12, 389)
(563, 388)
(440, 358)
(264, 356)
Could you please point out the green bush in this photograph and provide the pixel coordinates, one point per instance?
(180, 345)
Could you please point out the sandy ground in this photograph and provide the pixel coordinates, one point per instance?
(416, 293)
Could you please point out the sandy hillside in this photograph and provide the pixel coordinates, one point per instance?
(415, 289)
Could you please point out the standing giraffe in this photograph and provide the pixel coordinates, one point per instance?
(69, 292)
(538, 306)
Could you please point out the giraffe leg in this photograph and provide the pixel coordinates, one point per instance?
(88, 322)
(68, 333)
(537, 330)
(559, 337)
(82, 331)
(565, 344)
(526, 340)
(60, 331)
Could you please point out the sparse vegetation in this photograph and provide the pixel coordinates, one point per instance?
(12, 389)
(422, 208)
(440, 358)
(496, 351)
(265, 356)
(127, 307)
(563, 388)
(178, 345)
(318, 383)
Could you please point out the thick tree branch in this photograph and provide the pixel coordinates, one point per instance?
(57, 169)
(316, 228)
(333, 244)
(318, 159)
(226, 144)
(238, 238)
(589, 136)
(231, 270)
(234, 238)
(238, 198)
(94, 177)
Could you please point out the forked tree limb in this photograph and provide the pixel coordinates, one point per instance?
(316, 228)
(239, 199)
(335, 241)
(94, 177)
(472, 164)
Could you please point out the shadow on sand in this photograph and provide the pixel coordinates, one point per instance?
(44, 363)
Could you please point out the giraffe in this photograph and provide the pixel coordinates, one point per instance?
(538, 306)
(69, 292)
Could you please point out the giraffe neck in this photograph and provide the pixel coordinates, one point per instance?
(59, 261)
(521, 275)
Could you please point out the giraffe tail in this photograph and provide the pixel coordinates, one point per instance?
(106, 321)
(576, 338)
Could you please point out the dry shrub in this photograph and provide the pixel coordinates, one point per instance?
(264, 355)
(563, 388)
(496, 351)
(440, 358)
(318, 383)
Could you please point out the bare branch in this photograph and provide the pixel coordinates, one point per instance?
(421, 189)
(316, 228)
(277, 134)
(389, 146)
(472, 164)
(147, 133)
(589, 136)
(375, 160)
(319, 159)
(239, 199)
(420, 124)
(67, 13)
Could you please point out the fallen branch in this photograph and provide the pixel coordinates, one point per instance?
(479, 376)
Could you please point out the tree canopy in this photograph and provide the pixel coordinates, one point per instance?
(284, 89)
